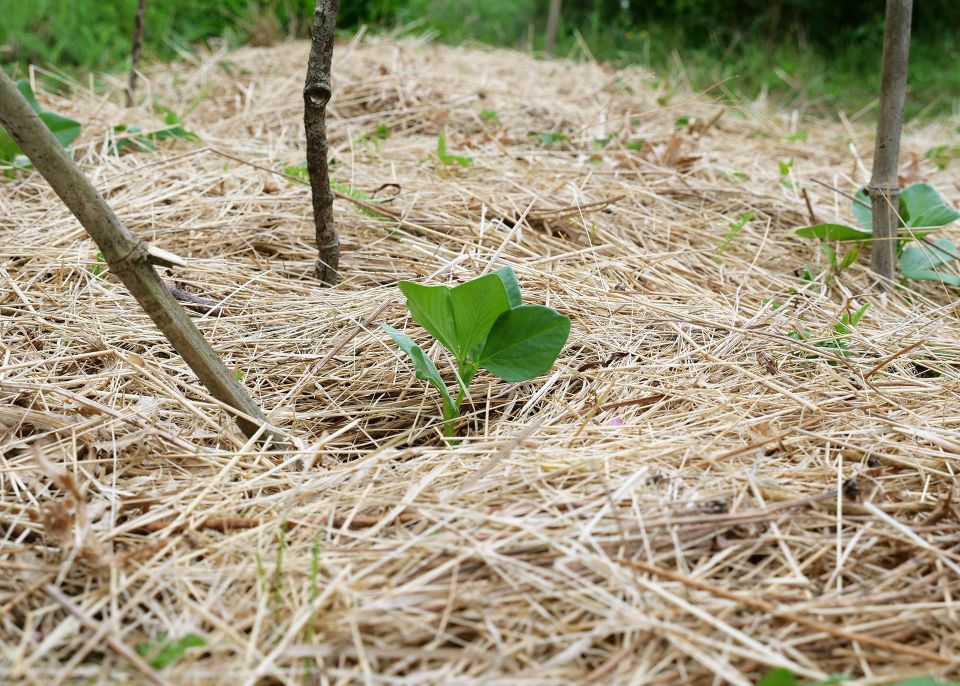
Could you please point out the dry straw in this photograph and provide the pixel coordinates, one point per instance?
(690, 496)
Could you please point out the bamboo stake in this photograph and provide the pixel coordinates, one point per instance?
(127, 256)
(884, 189)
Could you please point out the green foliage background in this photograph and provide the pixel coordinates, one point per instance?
(822, 54)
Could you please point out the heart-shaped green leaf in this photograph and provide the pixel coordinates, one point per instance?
(863, 212)
(922, 206)
(64, 130)
(834, 232)
(460, 318)
(524, 342)
(423, 365)
(919, 262)
(511, 284)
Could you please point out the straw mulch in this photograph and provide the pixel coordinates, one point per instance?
(690, 496)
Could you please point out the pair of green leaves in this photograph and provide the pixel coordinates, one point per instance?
(923, 211)
(65, 130)
(484, 325)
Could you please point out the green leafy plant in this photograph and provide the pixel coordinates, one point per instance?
(490, 115)
(922, 211)
(447, 158)
(484, 325)
(784, 677)
(165, 652)
(548, 138)
(136, 140)
(842, 331)
(733, 230)
(65, 130)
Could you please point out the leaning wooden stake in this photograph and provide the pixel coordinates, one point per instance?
(553, 22)
(316, 94)
(884, 188)
(136, 51)
(125, 254)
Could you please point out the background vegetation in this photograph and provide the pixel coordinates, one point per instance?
(820, 54)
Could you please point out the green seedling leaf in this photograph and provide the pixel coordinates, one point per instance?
(681, 122)
(831, 254)
(490, 115)
(834, 232)
(849, 258)
(863, 213)
(447, 158)
(922, 207)
(919, 262)
(65, 130)
(733, 230)
(423, 365)
(779, 677)
(785, 166)
(164, 653)
(298, 171)
(138, 140)
(460, 318)
(511, 285)
(524, 342)
(548, 138)
(359, 195)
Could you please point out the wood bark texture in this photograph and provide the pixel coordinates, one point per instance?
(316, 94)
(136, 51)
(125, 254)
(884, 188)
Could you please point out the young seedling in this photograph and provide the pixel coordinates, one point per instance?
(922, 211)
(484, 325)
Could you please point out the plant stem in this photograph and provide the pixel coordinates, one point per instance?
(451, 413)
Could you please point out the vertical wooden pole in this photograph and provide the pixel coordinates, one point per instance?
(884, 188)
(136, 51)
(553, 22)
(316, 94)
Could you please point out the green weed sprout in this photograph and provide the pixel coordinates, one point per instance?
(484, 325)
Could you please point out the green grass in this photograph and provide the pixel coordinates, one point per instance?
(820, 71)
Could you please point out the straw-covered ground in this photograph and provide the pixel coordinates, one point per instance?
(688, 496)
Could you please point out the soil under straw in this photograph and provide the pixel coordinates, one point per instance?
(689, 496)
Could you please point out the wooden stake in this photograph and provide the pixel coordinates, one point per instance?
(553, 22)
(127, 256)
(884, 189)
(136, 51)
(316, 94)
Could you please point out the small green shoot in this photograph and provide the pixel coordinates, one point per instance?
(137, 140)
(842, 330)
(733, 230)
(943, 155)
(447, 158)
(636, 146)
(65, 130)
(164, 652)
(681, 122)
(490, 115)
(797, 136)
(238, 375)
(785, 166)
(99, 269)
(484, 325)
(548, 138)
